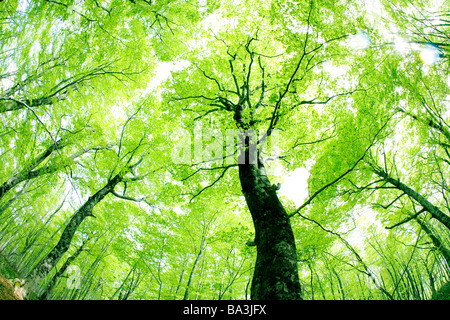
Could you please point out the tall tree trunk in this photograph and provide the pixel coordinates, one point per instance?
(436, 213)
(276, 271)
(52, 258)
(436, 241)
(52, 283)
(191, 275)
(200, 282)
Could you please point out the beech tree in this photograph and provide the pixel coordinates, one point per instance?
(225, 149)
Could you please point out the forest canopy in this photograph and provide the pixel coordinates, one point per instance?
(277, 149)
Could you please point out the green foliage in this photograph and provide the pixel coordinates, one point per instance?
(115, 81)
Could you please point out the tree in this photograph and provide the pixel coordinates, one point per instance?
(245, 82)
(391, 177)
(179, 126)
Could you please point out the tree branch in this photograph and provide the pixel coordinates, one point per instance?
(406, 220)
(144, 199)
(213, 183)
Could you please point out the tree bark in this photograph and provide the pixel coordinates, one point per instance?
(52, 283)
(436, 213)
(52, 258)
(276, 272)
(436, 241)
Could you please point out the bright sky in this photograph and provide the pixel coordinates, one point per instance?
(295, 186)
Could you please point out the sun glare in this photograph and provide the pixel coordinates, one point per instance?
(360, 41)
(429, 55)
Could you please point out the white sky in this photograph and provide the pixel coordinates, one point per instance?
(295, 186)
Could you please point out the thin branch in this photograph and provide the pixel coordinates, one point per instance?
(275, 115)
(37, 117)
(311, 198)
(211, 184)
(390, 203)
(297, 144)
(406, 220)
(366, 270)
(144, 199)
(208, 169)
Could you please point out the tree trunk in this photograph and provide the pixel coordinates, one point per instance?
(276, 272)
(436, 213)
(181, 275)
(52, 283)
(436, 241)
(191, 275)
(52, 258)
